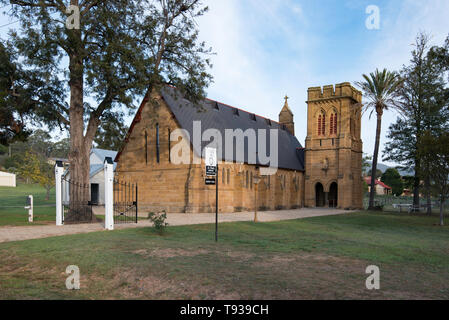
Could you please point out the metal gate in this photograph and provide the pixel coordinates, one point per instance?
(75, 207)
(125, 202)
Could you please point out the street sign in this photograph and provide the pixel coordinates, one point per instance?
(211, 162)
(210, 181)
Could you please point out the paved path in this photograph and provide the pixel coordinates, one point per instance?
(173, 219)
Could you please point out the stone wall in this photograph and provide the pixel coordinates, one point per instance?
(334, 157)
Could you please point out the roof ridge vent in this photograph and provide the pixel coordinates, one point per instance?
(216, 107)
(268, 122)
(236, 112)
(252, 116)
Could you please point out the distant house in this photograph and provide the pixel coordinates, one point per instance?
(7, 179)
(381, 188)
(52, 161)
(96, 174)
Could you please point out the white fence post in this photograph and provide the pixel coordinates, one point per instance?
(30, 208)
(59, 170)
(108, 194)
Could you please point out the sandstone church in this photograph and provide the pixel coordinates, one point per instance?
(326, 172)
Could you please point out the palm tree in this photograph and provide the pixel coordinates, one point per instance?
(380, 89)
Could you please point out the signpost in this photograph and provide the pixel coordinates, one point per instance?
(212, 171)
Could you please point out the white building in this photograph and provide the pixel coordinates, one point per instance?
(96, 174)
(7, 179)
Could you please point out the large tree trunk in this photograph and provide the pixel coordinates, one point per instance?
(375, 156)
(442, 212)
(79, 147)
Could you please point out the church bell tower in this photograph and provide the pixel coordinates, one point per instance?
(333, 148)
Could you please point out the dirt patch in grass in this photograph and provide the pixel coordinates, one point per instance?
(239, 255)
(130, 285)
(169, 252)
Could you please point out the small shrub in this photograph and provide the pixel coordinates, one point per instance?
(158, 220)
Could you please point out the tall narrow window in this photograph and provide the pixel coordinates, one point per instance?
(323, 125)
(157, 143)
(229, 176)
(319, 125)
(332, 124)
(247, 179)
(335, 123)
(223, 176)
(146, 147)
(251, 181)
(169, 146)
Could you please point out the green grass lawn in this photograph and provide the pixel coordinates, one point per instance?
(13, 201)
(314, 258)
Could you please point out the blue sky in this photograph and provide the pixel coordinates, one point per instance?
(268, 48)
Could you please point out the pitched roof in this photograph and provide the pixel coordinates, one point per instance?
(102, 153)
(96, 168)
(368, 181)
(217, 115)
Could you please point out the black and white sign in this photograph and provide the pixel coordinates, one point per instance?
(211, 162)
(210, 181)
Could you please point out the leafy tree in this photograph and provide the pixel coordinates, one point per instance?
(120, 50)
(61, 148)
(3, 149)
(111, 134)
(378, 173)
(38, 170)
(40, 143)
(408, 182)
(12, 163)
(424, 101)
(381, 91)
(24, 96)
(441, 56)
(392, 178)
(434, 149)
(366, 162)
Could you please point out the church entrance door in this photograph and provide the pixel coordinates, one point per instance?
(333, 195)
(319, 195)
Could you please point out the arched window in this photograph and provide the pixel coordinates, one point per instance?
(322, 124)
(319, 125)
(146, 147)
(333, 123)
(157, 143)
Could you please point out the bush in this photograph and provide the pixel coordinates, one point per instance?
(158, 220)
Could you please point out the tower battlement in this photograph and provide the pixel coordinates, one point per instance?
(341, 90)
